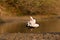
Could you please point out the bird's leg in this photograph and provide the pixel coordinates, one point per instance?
(31, 29)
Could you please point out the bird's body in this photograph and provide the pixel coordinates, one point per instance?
(32, 23)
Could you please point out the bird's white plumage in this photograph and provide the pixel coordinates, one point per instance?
(32, 22)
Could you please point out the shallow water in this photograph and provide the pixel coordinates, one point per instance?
(46, 25)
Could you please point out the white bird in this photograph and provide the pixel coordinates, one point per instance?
(32, 23)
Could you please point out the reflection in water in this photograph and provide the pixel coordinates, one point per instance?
(46, 25)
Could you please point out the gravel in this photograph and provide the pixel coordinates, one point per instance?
(30, 36)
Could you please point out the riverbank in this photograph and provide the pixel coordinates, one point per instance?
(30, 36)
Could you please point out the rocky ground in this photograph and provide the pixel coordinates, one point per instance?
(30, 36)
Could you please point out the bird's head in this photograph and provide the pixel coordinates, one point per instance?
(31, 17)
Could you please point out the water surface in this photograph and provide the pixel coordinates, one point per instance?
(19, 25)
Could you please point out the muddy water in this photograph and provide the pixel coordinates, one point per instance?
(19, 25)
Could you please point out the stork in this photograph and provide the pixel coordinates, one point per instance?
(32, 23)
